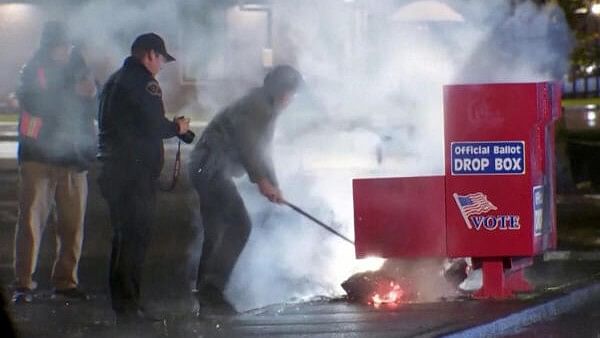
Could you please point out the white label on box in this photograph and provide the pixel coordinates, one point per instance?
(538, 209)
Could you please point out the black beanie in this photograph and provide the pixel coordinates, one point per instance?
(54, 34)
(282, 79)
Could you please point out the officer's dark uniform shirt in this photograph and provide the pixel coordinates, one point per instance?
(242, 135)
(131, 118)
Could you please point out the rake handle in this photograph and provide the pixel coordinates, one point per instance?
(312, 218)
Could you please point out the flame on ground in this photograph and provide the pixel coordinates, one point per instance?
(376, 289)
(392, 295)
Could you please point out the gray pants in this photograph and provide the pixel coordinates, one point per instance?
(226, 226)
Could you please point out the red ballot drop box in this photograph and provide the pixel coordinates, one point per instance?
(496, 201)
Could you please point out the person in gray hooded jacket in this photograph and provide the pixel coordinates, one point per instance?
(237, 141)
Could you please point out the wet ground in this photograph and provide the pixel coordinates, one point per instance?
(46, 317)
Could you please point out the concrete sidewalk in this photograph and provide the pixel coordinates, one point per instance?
(560, 287)
(564, 280)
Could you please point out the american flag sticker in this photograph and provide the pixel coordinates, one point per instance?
(473, 204)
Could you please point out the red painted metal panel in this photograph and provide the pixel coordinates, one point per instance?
(400, 217)
(497, 199)
(489, 114)
(427, 216)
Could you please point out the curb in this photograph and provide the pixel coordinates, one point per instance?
(572, 255)
(532, 314)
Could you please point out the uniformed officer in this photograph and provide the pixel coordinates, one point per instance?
(132, 125)
(237, 140)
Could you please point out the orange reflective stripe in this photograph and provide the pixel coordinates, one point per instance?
(29, 125)
(24, 123)
(36, 125)
(41, 76)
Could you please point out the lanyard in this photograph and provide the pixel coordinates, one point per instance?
(176, 170)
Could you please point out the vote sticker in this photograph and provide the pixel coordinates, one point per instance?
(488, 158)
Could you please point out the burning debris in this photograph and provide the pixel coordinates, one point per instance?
(455, 271)
(376, 288)
(405, 281)
(390, 295)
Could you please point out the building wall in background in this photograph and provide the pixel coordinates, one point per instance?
(20, 26)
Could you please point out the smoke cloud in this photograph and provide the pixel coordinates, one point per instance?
(375, 110)
(373, 106)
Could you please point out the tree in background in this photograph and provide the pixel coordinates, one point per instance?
(583, 17)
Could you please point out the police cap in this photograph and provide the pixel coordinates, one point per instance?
(151, 41)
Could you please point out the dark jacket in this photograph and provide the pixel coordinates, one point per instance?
(239, 139)
(132, 120)
(56, 125)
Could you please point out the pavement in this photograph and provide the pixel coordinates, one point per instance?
(563, 280)
(560, 286)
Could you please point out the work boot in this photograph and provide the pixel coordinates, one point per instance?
(211, 299)
(70, 294)
(22, 295)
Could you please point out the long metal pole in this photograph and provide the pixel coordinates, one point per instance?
(325, 226)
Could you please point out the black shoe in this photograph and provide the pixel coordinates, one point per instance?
(22, 296)
(212, 300)
(139, 317)
(210, 295)
(145, 316)
(70, 294)
(224, 309)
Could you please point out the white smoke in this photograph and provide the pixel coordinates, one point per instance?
(377, 82)
(374, 72)
(108, 28)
